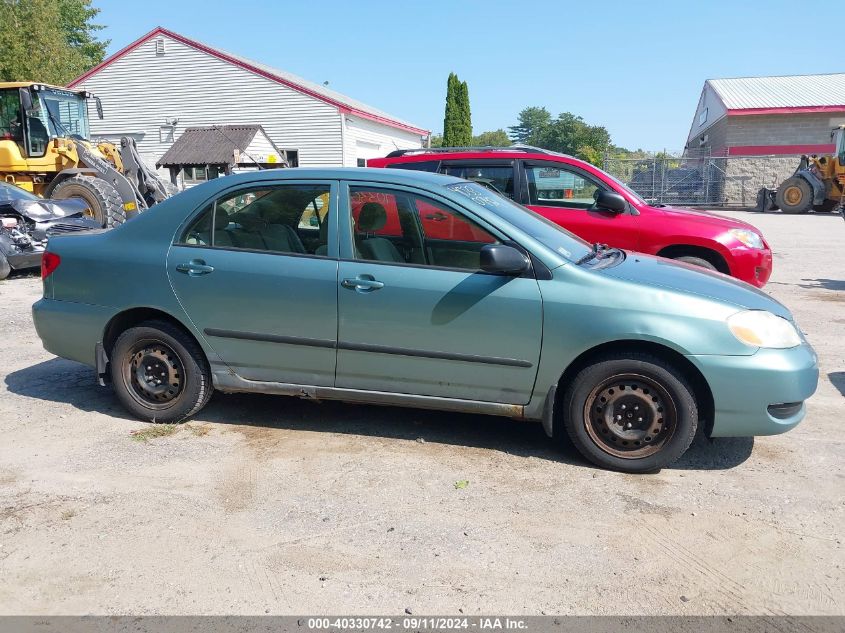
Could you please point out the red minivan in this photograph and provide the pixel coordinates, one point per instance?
(599, 208)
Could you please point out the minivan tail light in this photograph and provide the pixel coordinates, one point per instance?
(49, 263)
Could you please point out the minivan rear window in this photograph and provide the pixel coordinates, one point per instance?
(423, 165)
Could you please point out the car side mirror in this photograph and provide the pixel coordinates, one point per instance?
(503, 260)
(26, 100)
(610, 201)
(99, 105)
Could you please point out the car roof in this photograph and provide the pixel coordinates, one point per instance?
(474, 152)
(395, 176)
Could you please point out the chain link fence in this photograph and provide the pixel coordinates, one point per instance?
(701, 180)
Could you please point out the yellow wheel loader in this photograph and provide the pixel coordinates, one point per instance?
(818, 183)
(45, 148)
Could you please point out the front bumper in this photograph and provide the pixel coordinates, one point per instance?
(71, 330)
(752, 265)
(744, 387)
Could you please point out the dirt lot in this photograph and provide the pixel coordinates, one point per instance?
(276, 505)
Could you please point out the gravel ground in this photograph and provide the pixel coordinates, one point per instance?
(275, 505)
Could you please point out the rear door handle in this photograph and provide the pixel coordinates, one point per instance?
(195, 267)
(362, 283)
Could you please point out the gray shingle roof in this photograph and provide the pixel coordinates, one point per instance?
(213, 145)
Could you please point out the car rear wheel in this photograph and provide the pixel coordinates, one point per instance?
(160, 373)
(696, 261)
(633, 413)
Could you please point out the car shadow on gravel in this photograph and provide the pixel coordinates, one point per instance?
(827, 284)
(837, 379)
(67, 382)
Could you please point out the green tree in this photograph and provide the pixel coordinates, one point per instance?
(48, 40)
(570, 134)
(531, 121)
(457, 121)
(76, 20)
(496, 138)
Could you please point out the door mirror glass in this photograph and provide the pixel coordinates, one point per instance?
(99, 105)
(503, 259)
(610, 201)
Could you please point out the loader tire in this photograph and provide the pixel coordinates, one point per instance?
(828, 206)
(102, 198)
(795, 195)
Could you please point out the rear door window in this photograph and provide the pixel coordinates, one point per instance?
(291, 219)
(497, 177)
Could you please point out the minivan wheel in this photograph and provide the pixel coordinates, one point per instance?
(697, 261)
(634, 413)
(159, 373)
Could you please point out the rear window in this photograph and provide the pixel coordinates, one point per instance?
(421, 165)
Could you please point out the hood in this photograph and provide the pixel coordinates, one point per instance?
(693, 280)
(706, 216)
(46, 210)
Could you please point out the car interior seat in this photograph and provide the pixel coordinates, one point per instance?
(323, 248)
(371, 218)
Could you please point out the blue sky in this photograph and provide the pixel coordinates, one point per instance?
(635, 67)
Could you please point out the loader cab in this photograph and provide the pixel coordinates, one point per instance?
(32, 114)
(838, 137)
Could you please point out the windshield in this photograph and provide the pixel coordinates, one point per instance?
(11, 192)
(544, 231)
(63, 113)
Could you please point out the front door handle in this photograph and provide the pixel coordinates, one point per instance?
(195, 267)
(362, 283)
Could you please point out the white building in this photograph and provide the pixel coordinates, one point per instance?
(163, 83)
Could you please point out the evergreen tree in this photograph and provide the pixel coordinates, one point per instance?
(532, 120)
(465, 115)
(457, 123)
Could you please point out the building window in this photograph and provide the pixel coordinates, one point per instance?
(702, 118)
(201, 173)
(293, 157)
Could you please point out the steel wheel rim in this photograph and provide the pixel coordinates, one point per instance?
(793, 195)
(153, 374)
(630, 416)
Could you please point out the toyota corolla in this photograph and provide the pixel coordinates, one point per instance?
(421, 290)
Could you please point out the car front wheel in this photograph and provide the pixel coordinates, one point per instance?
(633, 413)
(160, 373)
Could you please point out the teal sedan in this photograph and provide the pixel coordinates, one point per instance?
(413, 289)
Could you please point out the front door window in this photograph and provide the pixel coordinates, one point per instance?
(404, 228)
(556, 186)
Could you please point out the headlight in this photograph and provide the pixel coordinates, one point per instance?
(747, 237)
(759, 328)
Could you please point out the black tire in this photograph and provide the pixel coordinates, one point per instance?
(103, 200)
(5, 267)
(827, 206)
(158, 350)
(647, 439)
(795, 195)
(696, 261)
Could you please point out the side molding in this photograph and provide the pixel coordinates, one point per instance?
(228, 383)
